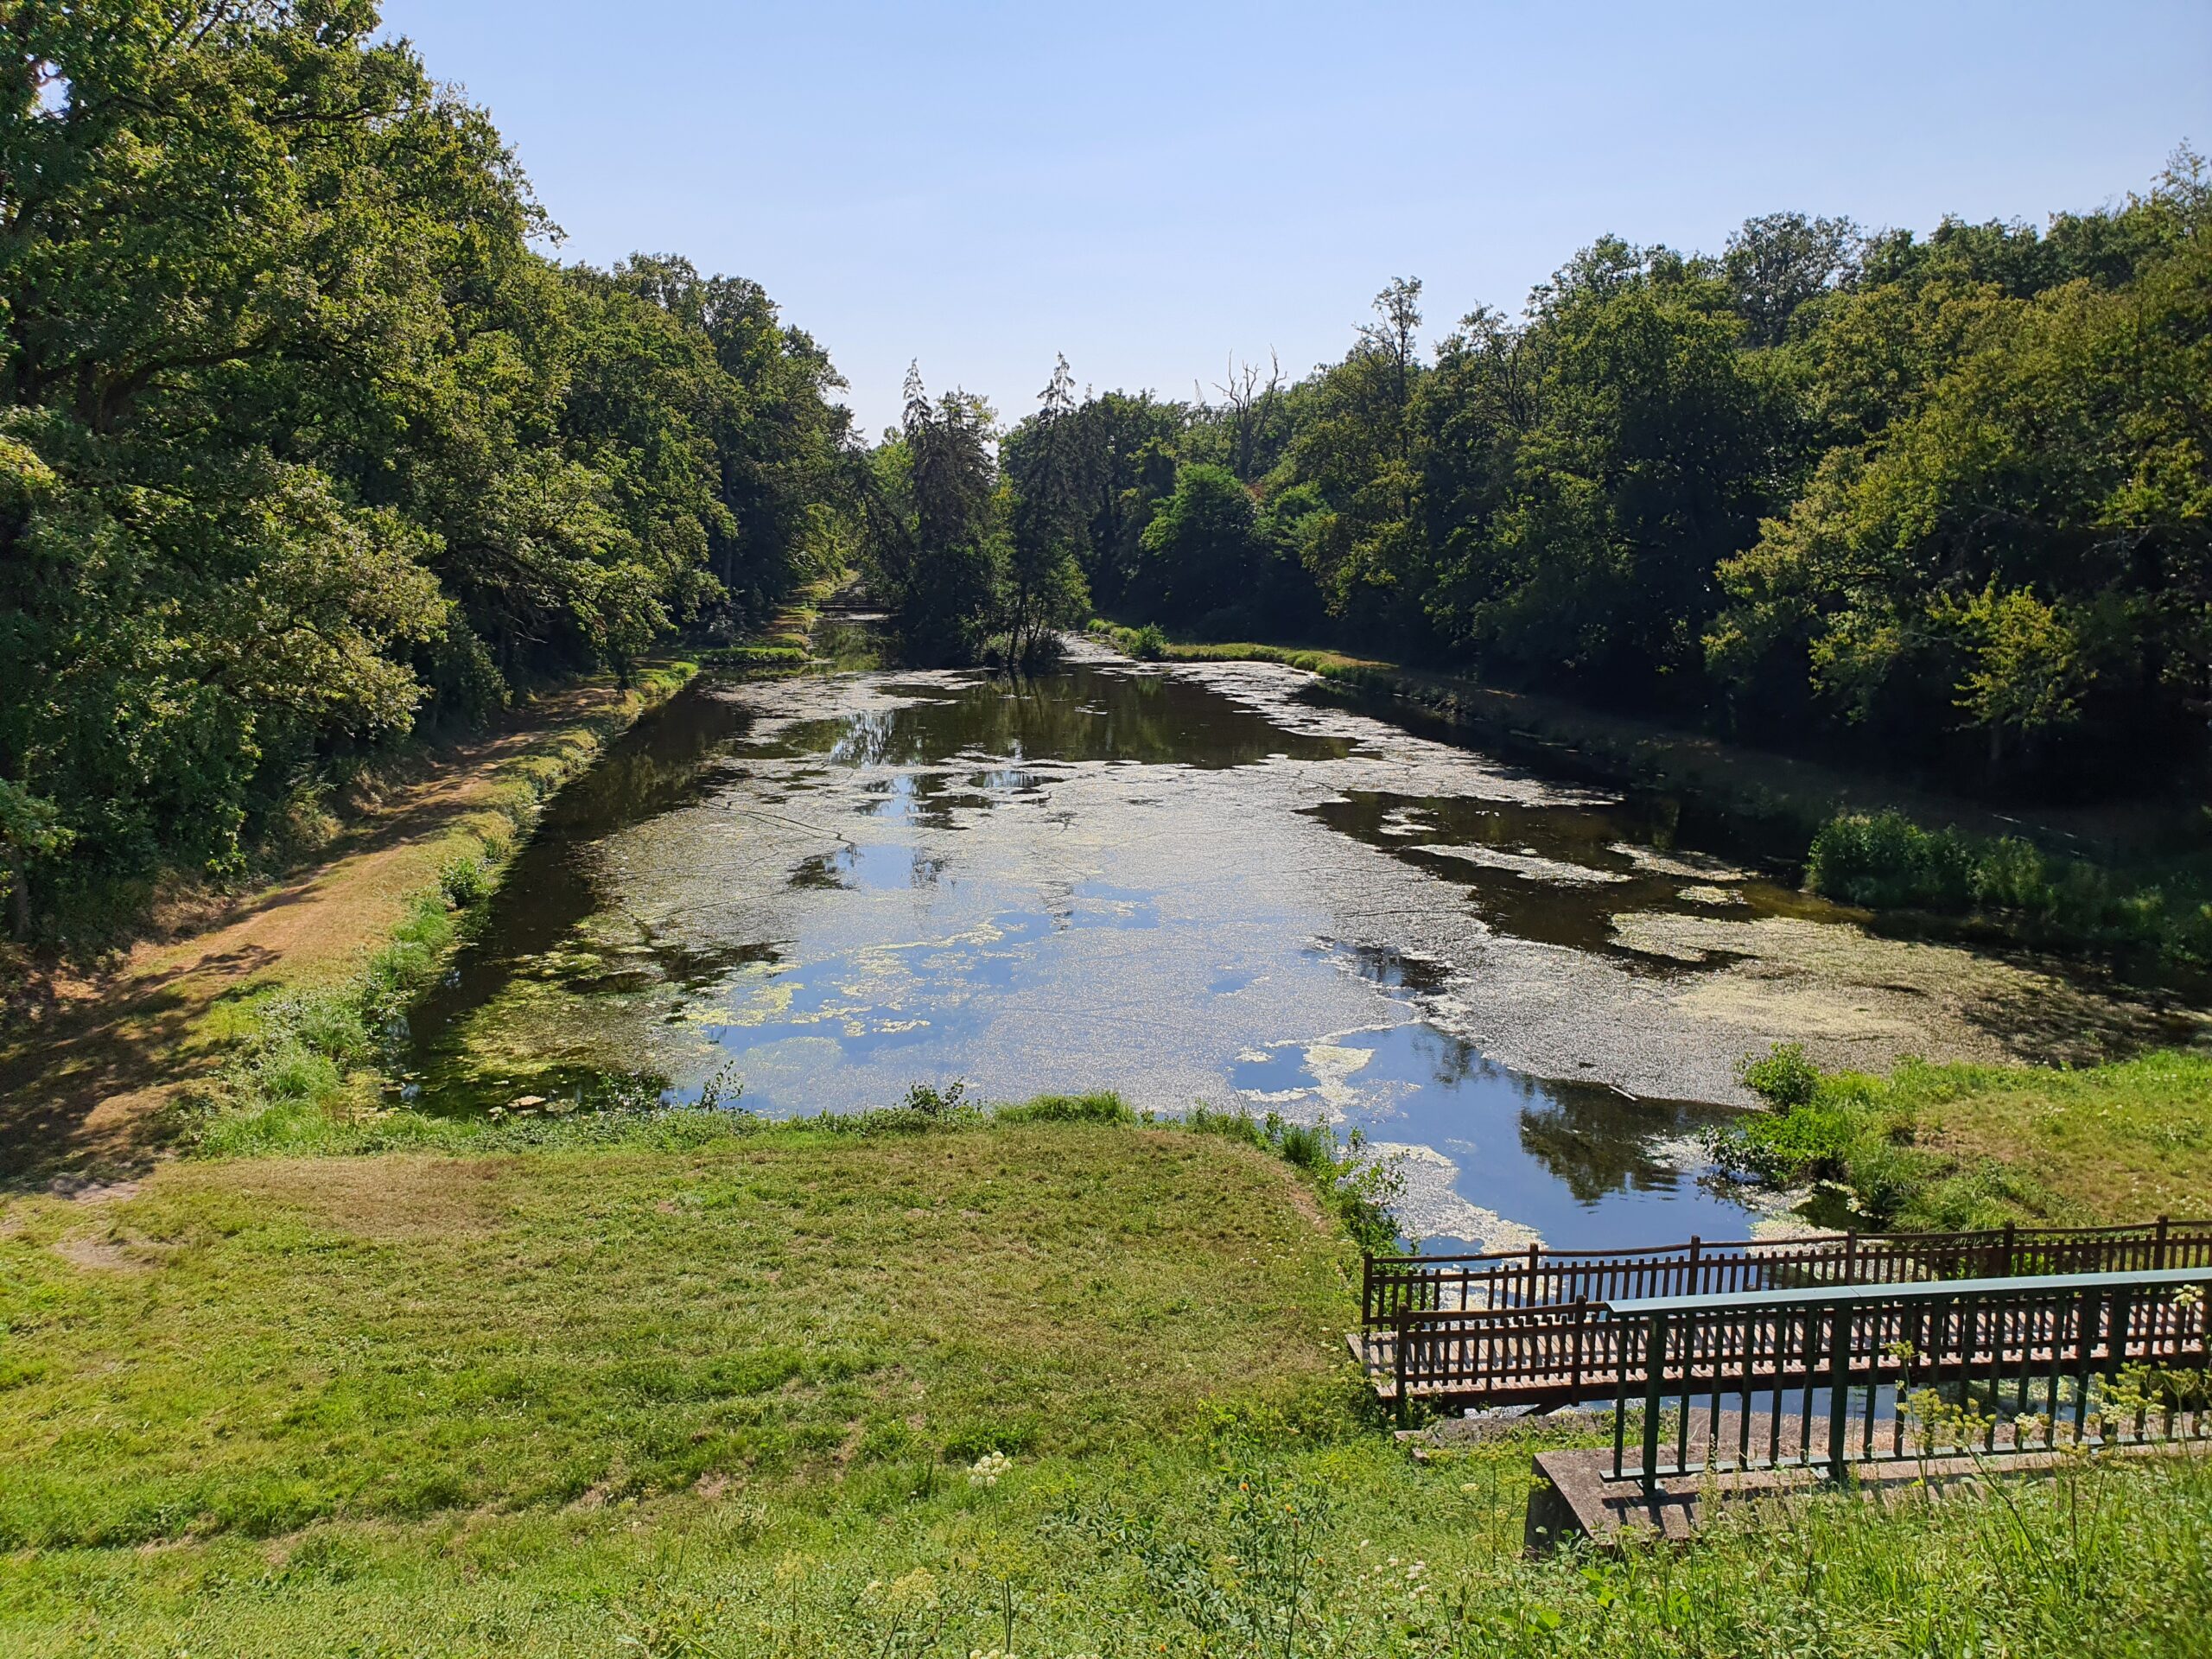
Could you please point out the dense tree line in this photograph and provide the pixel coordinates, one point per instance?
(303, 442)
(1946, 500)
(975, 543)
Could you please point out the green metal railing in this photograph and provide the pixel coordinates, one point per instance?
(1495, 1281)
(1905, 1371)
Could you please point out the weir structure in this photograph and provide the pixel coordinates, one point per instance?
(1814, 1353)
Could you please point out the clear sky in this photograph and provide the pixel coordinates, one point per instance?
(1149, 187)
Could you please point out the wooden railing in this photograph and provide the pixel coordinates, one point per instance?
(1951, 1369)
(1393, 1286)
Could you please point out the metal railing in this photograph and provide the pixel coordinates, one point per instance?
(1898, 1372)
(1493, 1281)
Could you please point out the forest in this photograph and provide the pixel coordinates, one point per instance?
(309, 441)
(1937, 502)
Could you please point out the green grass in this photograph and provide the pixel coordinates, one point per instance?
(702, 1390)
(2153, 917)
(1149, 644)
(256, 1346)
(1939, 1146)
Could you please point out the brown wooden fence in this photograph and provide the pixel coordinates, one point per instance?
(1946, 1330)
(1538, 1277)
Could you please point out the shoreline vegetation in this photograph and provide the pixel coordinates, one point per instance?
(1926, 865)
(282, 995)
(1947, 1147)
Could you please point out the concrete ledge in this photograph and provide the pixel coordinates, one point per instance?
(1573, 1497)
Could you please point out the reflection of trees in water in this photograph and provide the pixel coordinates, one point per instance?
(658, 765)
(1533, 906)
(1081, 715)
(1597, 1143)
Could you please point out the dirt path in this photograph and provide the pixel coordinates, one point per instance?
(81, 1083)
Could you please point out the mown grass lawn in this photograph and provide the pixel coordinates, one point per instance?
(710, 1391)
(254, 1346)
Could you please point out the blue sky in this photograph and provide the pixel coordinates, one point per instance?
(1149, 187)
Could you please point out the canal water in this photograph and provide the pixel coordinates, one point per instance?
(1185, 883)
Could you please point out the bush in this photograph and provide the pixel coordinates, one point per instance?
(464, 880)
(1148, 644)
(1783, 1078)
(1885, 861)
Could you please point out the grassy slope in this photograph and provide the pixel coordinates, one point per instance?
(82, 1086)
(707, 1393)
(1955, 1146)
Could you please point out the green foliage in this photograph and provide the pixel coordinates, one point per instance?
(464, 880)
(1939, 501)
(300, 444)
(1782, 1078)
(1948, 1147)
(1885, 860)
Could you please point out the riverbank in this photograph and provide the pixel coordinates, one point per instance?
(699, 1388)
(90, 1077)
(1942, 1148)
(2124, 884)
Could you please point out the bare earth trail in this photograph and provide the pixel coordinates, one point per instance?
(83, 1081)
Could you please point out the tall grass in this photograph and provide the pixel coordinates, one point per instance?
(1885, 860)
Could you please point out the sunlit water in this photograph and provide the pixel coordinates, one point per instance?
(1181, 884)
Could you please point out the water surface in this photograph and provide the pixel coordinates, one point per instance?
(1183, 884)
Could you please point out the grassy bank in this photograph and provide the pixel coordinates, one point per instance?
(1045, 1387)
(283, 1001)
(1938, 1147)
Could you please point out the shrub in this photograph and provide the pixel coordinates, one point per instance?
(1148, 644)
(1782, 1078)
(464, 880)
(1887, 861)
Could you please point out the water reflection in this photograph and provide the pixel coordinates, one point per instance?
(824, 890)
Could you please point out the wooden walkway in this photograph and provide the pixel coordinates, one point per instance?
(1926, 1331)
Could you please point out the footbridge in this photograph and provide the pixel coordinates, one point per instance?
(1817, 1352)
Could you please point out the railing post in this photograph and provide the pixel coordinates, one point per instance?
(1655, 1363)
(2158, 1260)
(1528, 1297)
(2005, 1270)
(1366, 1288)
(1690, 1287)
(1839, 1328)
(1851, 1256)
(1404, 1328)
(1574, 1372)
